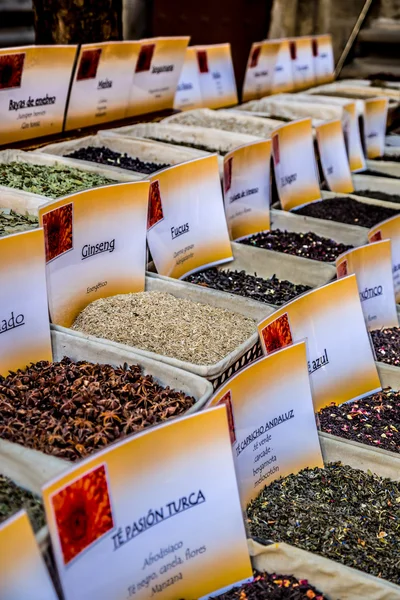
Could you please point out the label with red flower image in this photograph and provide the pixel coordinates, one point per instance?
(302, 62)
(247, 189)
(375, 122)
(23, 573)
(34, 84)
(333, 157)
(265, 409)
(101, 86)
(121, 529)
(260, 70)
(340, 359)
(188, 92)
(324, 64)
(295, 168)
(187, 228)
(390, 230)
(95, 244)
(24, 315)
(372, 264)
(155, 74)
(216, 75)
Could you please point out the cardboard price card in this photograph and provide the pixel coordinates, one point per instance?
(156, 74)
(216, 75)
(296, 172)
(23, 573)
(333, 156)
(247, 189)
(95, 246)
(375, 120)
(301, 53)
(340, 360)
(283, 77)
(121, 529)
(99, 91)
(372, 264)
(351, 130)
(24, 316)
(324, 65)
(390, 230)
(260, 70)
(266, 409)
(187, 228)
(188, 92)
(34, 83)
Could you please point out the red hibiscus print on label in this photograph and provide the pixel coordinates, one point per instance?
(11, 67)
(277, 334)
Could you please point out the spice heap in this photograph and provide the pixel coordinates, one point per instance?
(70, 409)
(272, 291)
(347, 210)
(387, 345)
(12, 222)
(339, 512)
(14, 498)
(257, 127)
(106, 156)
(307, 245)
(209, 148)
(273, 587)
(159, 322)
(374, 420)
(53, 181)
(379, 195)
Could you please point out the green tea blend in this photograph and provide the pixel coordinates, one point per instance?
(338, 512)
(12, 222)
(14, 498)
(53, 181)
(162, 323)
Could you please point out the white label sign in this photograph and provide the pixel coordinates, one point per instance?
(351, 130)
(188, 91)
(375, 121)
(390, 230)
(324, 65)
(301, 52)
(333, 156)
(216, 75)
(283, 77)
(260, 70)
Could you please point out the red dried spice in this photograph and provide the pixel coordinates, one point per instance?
(57, 225)
(155, 213)
(145, 57)
(88, 64)
(277, 334)
(83, 512)
(11, 67)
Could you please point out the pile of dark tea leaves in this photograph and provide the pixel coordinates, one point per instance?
(12, 222)
(378, 195)
(202, 147)
(389, 158)
(338, 512)
(373, 173)
(53, 181)
(374, 420)
(386, 343)
(306, 245)
(106, 156)
(272, 291)
(347, 210)
(13, 498)
(266, 586)
(70, 409)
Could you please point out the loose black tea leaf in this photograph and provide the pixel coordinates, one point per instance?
(12, 222)
(106, 156)
(273, 587)
(374, 420)
(379, 195)
(13, 498)
(387, 345)
(348, 210)
(339, 512)
(307, 245)
(70, 409)
(388, 158)
(272, 291)
(53, 181)
(373, 173)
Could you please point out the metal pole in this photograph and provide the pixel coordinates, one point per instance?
(352, 38)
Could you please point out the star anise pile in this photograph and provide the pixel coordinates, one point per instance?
(71, 409)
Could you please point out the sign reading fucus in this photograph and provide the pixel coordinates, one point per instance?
(216, 75)
(187, 228)
(375, 121)
(390, 230)
(372, 264)
(120, 529)
(34, 83)
(24, 316)
(340, 360)
(296, 172)
(333, 156)
(99, 248)
(247, 189)
(268, 403)
(188, 92)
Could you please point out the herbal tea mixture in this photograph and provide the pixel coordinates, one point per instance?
(162, 323)
(273, 291)
(71, 409)
(339, 512)
(53, 181)
(374, 420)
(206, 148)
(273, 587)
(306, 245)
(106, 156)
(257, 127)
(12, 222)
(13, 498)
(348, 210)
(379, 195)
(386, 343)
